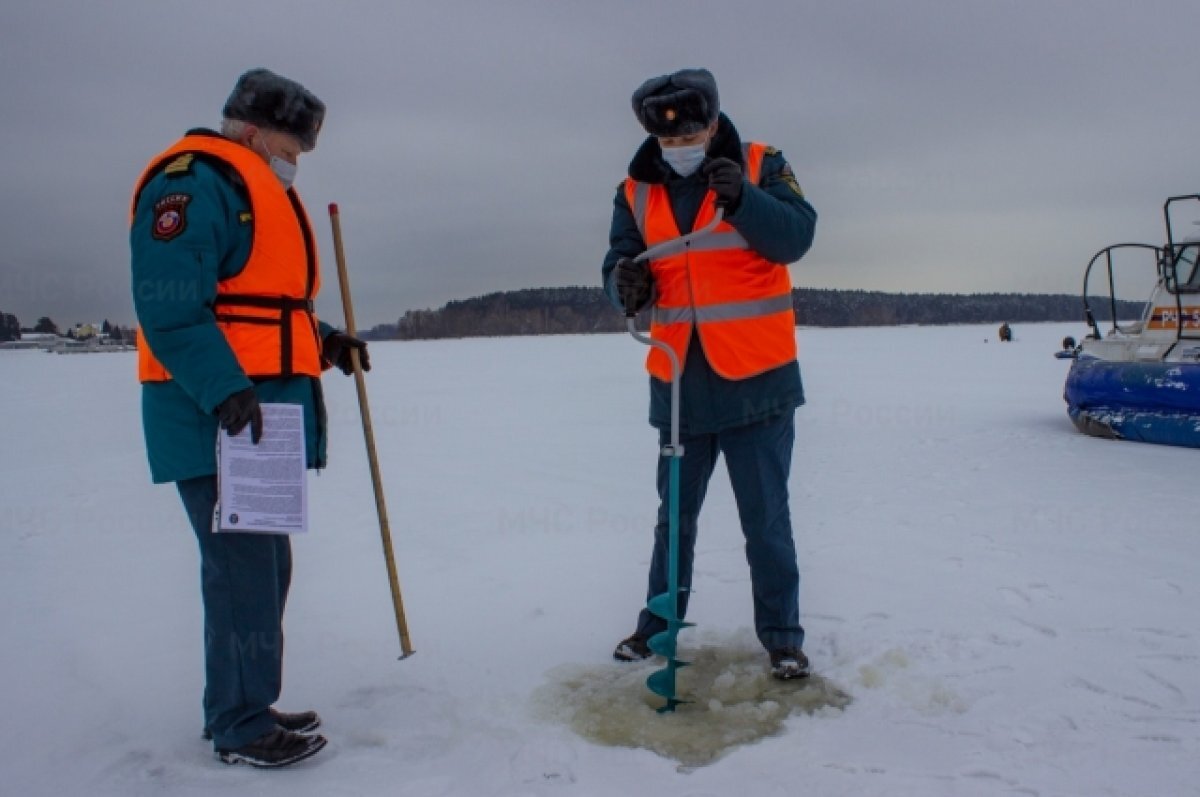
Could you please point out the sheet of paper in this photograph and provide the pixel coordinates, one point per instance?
(262, 488)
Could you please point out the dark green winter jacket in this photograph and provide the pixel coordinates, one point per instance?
(777, 221)
(174, 285)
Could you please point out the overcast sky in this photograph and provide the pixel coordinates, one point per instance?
(475, 147)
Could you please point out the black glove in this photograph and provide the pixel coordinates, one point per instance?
(633, 284)
(240, 409)
(336, 350)
(725, 179)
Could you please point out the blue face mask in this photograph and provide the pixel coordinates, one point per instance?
(685, 160)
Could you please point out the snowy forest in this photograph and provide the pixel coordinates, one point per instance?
(553, 311)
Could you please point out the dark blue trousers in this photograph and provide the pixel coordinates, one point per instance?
(759, 458)
(244, 581)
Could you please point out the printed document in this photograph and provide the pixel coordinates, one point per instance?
(262, 488)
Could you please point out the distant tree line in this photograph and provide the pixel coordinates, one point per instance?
(837, 308)
(560, 311)
(574, 311)
(11, 329)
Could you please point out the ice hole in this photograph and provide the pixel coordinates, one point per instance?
(733, 701)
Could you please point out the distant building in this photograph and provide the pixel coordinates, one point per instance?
(85, 331)
(64, 345)
(34, 340)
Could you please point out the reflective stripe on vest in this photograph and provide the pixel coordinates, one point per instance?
(732, 311)
(739, 303)
(265, 311)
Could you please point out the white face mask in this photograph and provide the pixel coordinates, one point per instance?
(284, 170)
(685, 160)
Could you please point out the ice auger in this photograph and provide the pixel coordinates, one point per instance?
(666, 605)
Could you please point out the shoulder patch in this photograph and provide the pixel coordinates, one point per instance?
(170, 216)
(770, 151)
(245, 217)
(181, 165)
(789, 178)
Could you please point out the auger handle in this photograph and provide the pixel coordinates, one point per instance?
(630, 324)
(656, 250)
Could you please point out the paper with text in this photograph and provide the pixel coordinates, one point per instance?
(262, 488)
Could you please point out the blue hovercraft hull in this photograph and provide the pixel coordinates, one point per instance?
(1144, 401)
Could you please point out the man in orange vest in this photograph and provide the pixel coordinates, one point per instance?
(225, 272)
(724, 304)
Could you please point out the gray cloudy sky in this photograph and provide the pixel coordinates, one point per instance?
(474, 147)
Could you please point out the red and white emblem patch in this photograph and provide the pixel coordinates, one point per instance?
(170, 216)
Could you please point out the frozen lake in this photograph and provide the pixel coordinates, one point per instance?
(1011, 606)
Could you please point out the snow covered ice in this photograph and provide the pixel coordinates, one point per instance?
(1009, 605)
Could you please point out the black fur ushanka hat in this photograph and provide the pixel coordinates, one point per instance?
(268, 100)
(678, 104)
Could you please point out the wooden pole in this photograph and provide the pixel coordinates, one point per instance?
(369, 433)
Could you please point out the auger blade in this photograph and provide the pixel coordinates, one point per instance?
(663, 643)
(662, 683)
(670, 706)
(663, 606)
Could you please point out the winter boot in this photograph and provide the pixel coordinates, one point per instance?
(788, 663)
(275, 748)
(302, 722)
(299, 722)
(633, 648)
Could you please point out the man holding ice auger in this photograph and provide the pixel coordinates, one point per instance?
(724, 305)
(225, 274)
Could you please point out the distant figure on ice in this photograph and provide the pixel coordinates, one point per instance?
(725, 306)
(1005, 333)
(224, 277)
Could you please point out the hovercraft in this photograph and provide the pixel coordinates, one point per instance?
(1141, 380)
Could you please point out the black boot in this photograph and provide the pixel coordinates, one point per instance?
(633, 648)
(300, 722)
(275, 748)
(788, 663)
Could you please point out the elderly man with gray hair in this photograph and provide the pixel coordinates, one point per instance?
(224, 275)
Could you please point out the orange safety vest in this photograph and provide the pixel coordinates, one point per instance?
(740, 302)
(265, 311)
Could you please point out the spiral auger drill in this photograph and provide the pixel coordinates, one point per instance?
(666, 604)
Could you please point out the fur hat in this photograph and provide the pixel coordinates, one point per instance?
(678, 104)
(268, 100)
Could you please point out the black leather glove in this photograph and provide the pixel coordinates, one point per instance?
(240, 409)
(336, 350)
(725, 179)
(634, 284)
